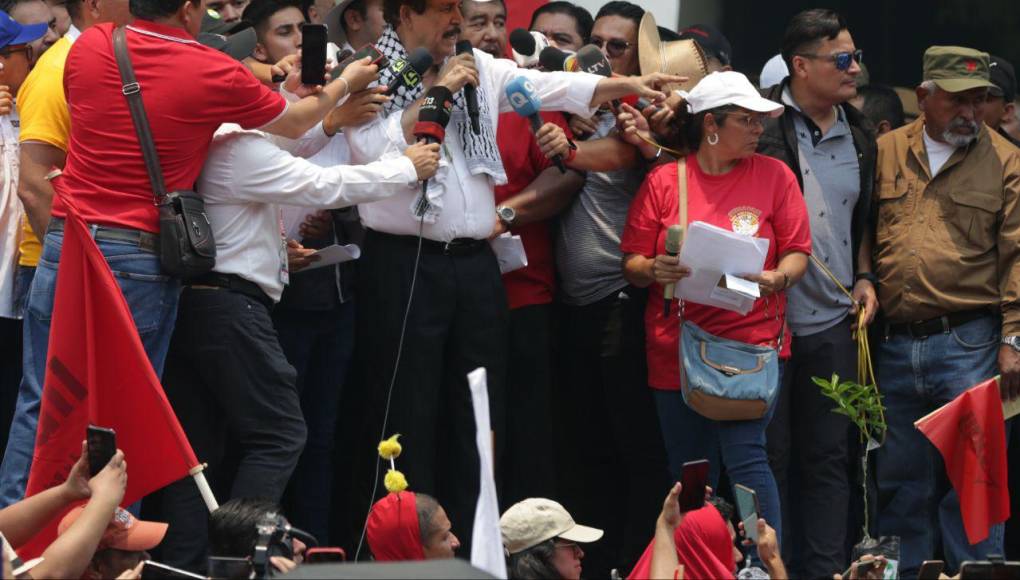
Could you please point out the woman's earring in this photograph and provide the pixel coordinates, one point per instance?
(713, 139)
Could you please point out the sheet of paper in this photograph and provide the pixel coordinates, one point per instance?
(335, 254)
(746, 288)
(713, 252)
(509, 253)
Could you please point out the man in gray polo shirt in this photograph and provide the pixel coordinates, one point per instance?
(831, 148)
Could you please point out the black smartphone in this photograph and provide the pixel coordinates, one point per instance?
(747, 506)
(326, 554)
(229, 568)
(313, 54)
(156, 571)
(930, 570)
(694, 478)
(975, 570)
(101, 444)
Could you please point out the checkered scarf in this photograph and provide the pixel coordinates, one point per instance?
(480, 150)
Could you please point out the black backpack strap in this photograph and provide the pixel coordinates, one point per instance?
(132, 90)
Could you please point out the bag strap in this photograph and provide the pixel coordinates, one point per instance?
(132, 90)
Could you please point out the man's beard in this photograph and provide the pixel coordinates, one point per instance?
(957, 139)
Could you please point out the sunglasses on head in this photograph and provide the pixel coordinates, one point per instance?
(614, 46)
(842, 60)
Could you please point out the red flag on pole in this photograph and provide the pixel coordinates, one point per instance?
(98, 372)
(970, 434)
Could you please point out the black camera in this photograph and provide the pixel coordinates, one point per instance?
(276, 538)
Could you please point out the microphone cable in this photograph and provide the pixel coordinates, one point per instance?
(393, 379)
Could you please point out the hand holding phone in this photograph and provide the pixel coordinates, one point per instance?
(102, 445)
(693, 478)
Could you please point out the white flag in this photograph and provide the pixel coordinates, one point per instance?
(486, 539)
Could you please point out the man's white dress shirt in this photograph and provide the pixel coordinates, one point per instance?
(468, 207)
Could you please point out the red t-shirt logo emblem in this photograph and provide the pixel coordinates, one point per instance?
(971, 66)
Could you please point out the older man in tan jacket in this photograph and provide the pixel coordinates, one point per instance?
(947, 257)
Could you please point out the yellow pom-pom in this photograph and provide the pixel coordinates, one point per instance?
(395, 481)
(390, 448)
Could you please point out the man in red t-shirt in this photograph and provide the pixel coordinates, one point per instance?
(188, 91)
(535, 192)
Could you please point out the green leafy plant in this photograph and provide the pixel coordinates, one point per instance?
(862, 404)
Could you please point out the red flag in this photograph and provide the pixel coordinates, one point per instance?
(970, 433)
(98, 372)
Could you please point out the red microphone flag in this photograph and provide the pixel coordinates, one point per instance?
(98, 372)
(970, 434)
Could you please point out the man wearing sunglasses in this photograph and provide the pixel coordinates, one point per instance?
(830, 147)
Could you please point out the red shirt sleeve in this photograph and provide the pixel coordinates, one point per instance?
(250, 103)
(791, 224)
(644, 219)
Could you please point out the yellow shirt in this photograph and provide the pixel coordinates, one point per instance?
(44, 118)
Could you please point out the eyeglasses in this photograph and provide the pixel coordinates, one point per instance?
(572, 546)
(748, 121)
(842, 60)
(614, 46)
(26, 48)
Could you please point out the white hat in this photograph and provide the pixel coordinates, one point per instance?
(530, 522)
(729, 88)
(773, 73)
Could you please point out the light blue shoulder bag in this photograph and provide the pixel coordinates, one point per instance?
(723, 379)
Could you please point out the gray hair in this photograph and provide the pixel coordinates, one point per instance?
(426, 506)
(929, 86)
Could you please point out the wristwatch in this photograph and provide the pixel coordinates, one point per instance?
(1013, 341)
(507, 215)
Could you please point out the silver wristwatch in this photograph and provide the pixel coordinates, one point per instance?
(1013, 341)
(507, 215)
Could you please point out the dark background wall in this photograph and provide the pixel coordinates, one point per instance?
(893, 34)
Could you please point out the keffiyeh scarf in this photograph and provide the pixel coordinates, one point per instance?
(480, 151)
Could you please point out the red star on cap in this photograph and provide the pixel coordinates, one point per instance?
(971, 65)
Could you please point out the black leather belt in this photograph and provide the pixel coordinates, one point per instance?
(146, 241)
(456, 247)
(234, 283)
(942, 324)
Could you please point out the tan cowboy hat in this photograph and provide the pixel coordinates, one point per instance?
(678, 57)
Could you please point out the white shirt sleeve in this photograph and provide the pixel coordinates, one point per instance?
(248, 167)
(559, 91)
(380, 138)
(305, 146)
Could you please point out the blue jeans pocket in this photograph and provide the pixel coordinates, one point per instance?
(979, 334)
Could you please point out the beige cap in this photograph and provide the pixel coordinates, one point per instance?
(530, 522)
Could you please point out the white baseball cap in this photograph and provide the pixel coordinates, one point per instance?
(773, 72)
(530, 522)
(729, 88)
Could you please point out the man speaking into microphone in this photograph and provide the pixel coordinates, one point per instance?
(457, 319)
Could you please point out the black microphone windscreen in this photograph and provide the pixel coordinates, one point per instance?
(420, 60)
(464, 46)
(523, 42)
(437, 106)
(591, 60)
(552, 59)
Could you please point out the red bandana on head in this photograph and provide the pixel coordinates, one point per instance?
(393, 533)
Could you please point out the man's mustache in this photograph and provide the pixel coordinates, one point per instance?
(455, 31)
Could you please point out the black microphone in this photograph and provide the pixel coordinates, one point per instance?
(554, 59)
(407, 72)
(527, 46)
(591, 60)
(674, 237)
(433, 116)
(470, 91)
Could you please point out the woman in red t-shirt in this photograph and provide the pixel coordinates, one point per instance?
(729, 186)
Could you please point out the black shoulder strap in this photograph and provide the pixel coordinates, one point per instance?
(132, 90)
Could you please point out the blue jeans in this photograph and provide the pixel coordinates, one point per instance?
(22, 284)
(152, 299)
(740, 445)
(916, 503)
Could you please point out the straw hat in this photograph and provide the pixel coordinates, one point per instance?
(678, 57)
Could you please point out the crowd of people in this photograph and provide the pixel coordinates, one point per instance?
(877, 211)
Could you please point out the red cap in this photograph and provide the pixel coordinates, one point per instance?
(393, 533)
(125, 532)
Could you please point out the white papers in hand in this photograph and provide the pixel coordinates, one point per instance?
(509, 252)
(335, 254)
(712, 253)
